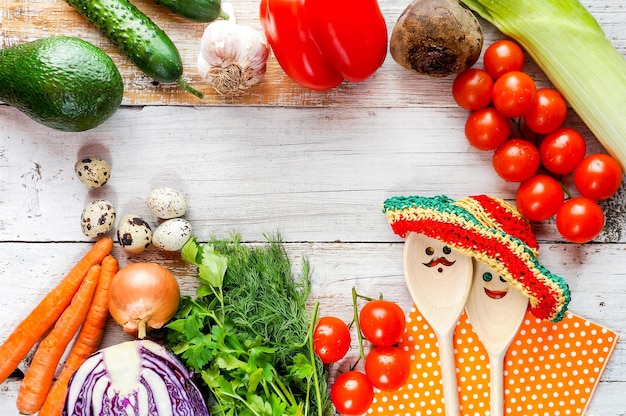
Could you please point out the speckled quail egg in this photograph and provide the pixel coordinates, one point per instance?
(166, 203)
(93, 171)
(98, 218)
(133, 233)
(171, 235)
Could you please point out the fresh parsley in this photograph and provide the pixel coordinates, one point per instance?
(247, 332)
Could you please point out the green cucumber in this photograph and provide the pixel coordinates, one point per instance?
(62, 82)
(137, 37)
(196, 10)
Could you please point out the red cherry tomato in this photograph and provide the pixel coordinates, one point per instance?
(516, 160)
(598, 177)
(562, 150)
(382, 322)
(580, 220)
(548, 111)
(472, 89)
(352, 393)
(539, 197)
(503, 56)
(331, 339)
(486, 129)
(388, 368)
(514, 93)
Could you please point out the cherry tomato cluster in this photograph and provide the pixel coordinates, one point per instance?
(387, 366)
(506, 107)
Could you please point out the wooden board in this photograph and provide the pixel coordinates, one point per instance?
(314, 166)
(391, 86)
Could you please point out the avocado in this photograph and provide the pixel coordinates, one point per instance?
(62, 82)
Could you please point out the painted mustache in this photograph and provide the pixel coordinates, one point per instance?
(439, 260)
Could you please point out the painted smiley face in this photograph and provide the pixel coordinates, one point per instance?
(493, 289)
(496, 287)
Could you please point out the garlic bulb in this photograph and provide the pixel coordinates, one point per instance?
(232, 57)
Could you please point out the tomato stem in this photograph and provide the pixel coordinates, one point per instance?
(367, 298)
(358, 326)
(517, 122)
(567, 191)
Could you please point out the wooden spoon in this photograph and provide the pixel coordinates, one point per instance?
(439, 280)
(496, 310)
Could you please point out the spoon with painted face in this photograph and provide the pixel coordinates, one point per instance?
(496, 310)
(439, 280)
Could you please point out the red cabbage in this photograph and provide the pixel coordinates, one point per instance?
(133, 378)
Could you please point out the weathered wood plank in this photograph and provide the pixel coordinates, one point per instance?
(317, 174)
(597, 281)
(391, 85)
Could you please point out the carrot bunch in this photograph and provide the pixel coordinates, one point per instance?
(79, 301)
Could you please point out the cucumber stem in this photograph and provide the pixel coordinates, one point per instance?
(189, 88)
(223, 15)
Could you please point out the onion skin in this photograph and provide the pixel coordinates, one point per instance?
(143, 296)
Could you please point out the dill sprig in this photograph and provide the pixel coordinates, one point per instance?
(247, 333)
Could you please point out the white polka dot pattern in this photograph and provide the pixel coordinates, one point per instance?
(550, 369)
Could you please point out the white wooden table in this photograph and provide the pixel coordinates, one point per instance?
(314, 166)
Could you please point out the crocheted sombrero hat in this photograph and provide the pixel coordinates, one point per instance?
(490, 230)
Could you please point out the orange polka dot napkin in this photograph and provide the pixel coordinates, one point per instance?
(549, 369)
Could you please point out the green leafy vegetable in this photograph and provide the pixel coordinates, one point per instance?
(247, 332)
(569, 45)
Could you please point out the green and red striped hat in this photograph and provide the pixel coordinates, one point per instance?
(490, 230)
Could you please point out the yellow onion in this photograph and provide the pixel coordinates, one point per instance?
(143, 296)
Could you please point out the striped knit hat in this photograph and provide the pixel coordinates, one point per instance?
(490, 230)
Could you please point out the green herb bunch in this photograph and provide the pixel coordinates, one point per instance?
(247, 332)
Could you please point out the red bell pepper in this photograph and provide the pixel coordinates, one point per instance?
(320, 43)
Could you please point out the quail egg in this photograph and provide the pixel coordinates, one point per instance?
(97, 218)
(93, 171)
(166, 203)
(133, 233)
(171, 235)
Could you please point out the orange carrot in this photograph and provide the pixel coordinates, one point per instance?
(41, 319)
(38, 378)
(87, 342)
